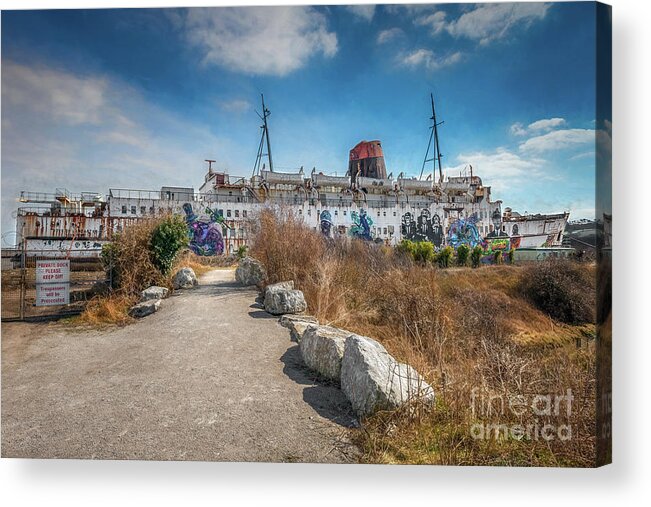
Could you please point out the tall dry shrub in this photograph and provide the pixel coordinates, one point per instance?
(129, 260)
(562, 288)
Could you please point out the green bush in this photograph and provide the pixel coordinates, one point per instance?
(167, 240)
(419, 251)
(475, 256)
(498, 257)
(444, 256)
(463, 252)
(423, 252)
(241, 251)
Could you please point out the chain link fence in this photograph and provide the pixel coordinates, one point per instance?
(87, 278)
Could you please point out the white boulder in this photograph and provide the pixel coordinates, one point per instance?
(281, 298)
(185, 279)
(297, 325)
(154, 292)
(322, 348)
(373, 380)
(145, 308)
(250, 272)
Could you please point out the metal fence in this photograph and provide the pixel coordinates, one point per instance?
(19, 283)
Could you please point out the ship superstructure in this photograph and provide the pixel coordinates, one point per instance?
(366, 203)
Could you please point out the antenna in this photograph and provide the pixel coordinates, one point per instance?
(210, 163)
(434, 134)
(263, 138)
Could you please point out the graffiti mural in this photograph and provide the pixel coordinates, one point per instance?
(424, 228)
(326, 222)
(361, 227)
(206, 233)
(464, 232)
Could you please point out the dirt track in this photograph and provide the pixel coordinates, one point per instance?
(211, 376)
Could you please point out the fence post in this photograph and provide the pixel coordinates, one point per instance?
(23, 279)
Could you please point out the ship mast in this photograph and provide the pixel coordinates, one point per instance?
(436, 157)
(264, 138)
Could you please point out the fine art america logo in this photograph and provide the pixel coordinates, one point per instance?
(539, 410)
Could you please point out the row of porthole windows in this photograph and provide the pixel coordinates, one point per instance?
(143, 211)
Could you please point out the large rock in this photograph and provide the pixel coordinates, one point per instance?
(373, 380)
(145, 308)
(250, 272)
(288, 285)
(154, 292)
(297, 325)
(281, 298)
(322, 348)
(185, 279)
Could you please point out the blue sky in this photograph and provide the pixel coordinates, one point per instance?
(120, 98)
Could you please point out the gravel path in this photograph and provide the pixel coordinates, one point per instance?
(211, 376)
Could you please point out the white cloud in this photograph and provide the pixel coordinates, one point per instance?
(436, 21)
(558, 140)
(486, 22)
(364, 11)
(91, 133)
(546, 124)
(260, 41)
(428, 59)
(388, 35)
(237, 106)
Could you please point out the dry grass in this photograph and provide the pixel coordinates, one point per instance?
(106, 310)
(473, 334)
(134, 271)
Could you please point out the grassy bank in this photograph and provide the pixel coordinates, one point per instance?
(497, 343)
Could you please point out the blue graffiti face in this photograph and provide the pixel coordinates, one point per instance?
(464, 232)
(326, 222)
(205, 234)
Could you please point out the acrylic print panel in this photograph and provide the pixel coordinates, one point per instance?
(342, 234)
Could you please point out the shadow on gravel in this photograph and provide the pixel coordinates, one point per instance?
(324, 397)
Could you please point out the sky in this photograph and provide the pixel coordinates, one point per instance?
(138, 98)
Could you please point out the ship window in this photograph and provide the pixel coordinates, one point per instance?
(237, 213)
(230, 193)
(133, 210)
(344, 212)
(309, 212)
(151, 210)
(385, 231)
(336, 212)
(300, 210)
(244, 213)
(378, 213)
(143, 210)
(228, 213)
(384, 213)
(124, 210)
(503, 227)
(394, 213)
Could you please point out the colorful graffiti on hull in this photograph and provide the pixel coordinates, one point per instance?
(423, 228)
(464, 232)
(326, 222)
(361, 228)
(206, 234)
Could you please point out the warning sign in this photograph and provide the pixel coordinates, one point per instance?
(48, 294)
(52, 271)
(52, 282)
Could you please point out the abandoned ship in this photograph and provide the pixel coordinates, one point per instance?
(366, 203)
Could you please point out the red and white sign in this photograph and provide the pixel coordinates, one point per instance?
(49, 294)
(52, 271)
(52, 282)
